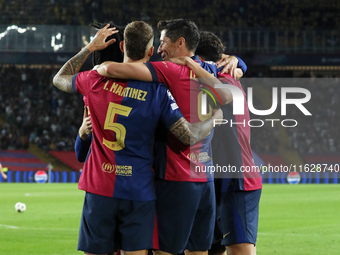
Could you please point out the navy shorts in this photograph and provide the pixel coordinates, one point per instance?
(185, 215)
(108, 224)
(239, 215)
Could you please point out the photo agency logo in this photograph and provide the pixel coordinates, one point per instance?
(280, 98)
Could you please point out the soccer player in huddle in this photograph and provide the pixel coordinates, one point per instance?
(238, 195)
(112, 52)
(185, 199)
(119, 206)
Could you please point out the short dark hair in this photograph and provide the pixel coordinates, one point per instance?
(112, 52)
(176, 28)
(210, 47)
(137, 36)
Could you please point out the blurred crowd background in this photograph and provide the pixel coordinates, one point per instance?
(207, 14)
(33, 111)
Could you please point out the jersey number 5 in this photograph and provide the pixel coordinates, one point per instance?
(118, 128)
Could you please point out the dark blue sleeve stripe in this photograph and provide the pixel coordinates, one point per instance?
(74, 84)
(82, 147)
(152, 71)
(173, 119)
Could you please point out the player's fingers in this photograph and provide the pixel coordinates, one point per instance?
(112, 31)
(232, 71)
(219, 63)
(110, 42)
(85, 113)
(176, 61)
(105, 27)
(223, 62)
(226, 69)
(100, 31)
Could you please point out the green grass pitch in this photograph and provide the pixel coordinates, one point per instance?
(294, 219)
(49, 225)
(299, 220)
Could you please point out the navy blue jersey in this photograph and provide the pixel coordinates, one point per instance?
(124, 116)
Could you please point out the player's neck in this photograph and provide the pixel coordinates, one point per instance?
(129, 60)
(186, 53)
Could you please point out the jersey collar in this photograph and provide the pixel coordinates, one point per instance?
(196, 58)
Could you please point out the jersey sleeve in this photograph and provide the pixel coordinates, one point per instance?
(82, 147)
(81, 83)
(164, 72)
(170, 111)
(241, 64)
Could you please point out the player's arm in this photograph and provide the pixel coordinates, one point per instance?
(206, 77)
(81, 147)
(86, 126)
(63, 79)
(133, 71)
(84, 137)
(190, 134)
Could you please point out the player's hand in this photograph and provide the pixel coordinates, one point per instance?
(98, 42)
(86, 127)
(4, 176)
(229, 63)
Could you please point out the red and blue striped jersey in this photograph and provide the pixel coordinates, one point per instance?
(178, 162)
(124, 117)
(231, 146)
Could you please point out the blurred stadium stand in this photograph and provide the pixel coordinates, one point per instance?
(284, 38)
(21, 160)
(68, 157)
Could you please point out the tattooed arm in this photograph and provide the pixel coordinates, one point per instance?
(190, 134)
(63, 79)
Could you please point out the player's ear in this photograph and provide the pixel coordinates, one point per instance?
(121, 45)
(180, 42)
(151, 51)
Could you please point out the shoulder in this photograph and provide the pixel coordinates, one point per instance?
(224, 75)
(210, 67)
(166, 65)
(91, 74)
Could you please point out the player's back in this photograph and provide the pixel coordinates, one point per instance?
(124, 117)
(231, 145)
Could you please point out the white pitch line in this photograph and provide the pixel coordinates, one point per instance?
(293, 234)
(8, 226)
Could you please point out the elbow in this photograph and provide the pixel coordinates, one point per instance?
(103, 70)
(55, 80)
(227, 98)
(80, 159)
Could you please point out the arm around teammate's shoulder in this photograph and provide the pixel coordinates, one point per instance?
(225, 95)
(129, 71)
(190, 134)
